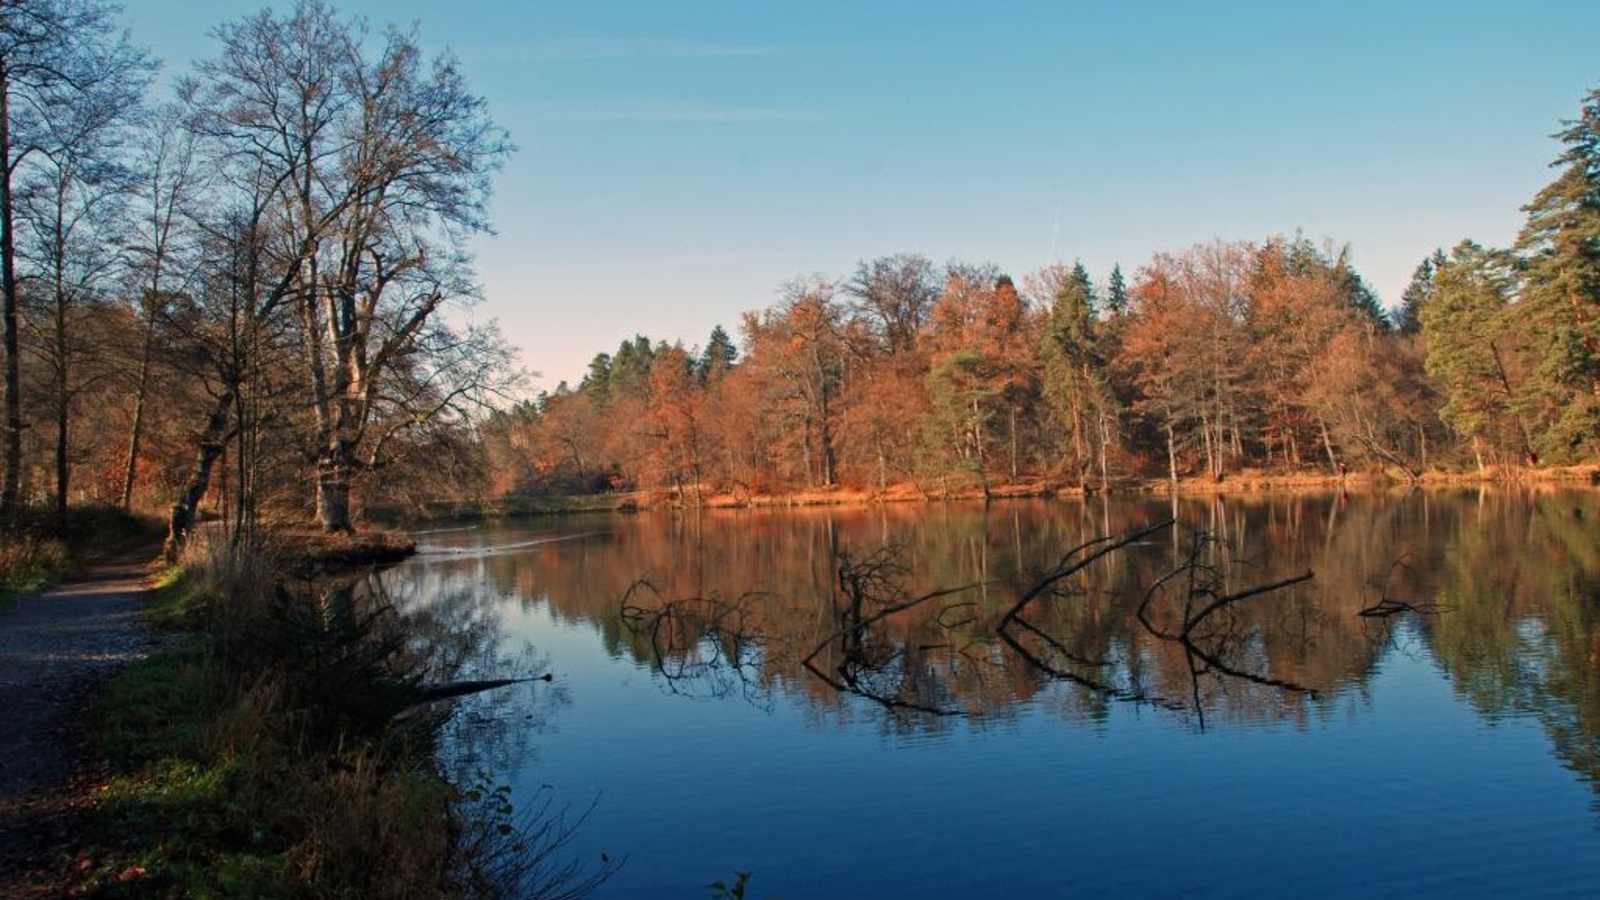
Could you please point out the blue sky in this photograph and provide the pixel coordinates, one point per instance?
(679, 161)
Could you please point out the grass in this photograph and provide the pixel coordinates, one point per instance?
(40, 549)
(270, 752)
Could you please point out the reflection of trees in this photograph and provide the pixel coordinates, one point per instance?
(1520, 573)
(1514, 573)
(699, 646)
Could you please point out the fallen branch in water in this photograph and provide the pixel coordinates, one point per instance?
(1389, 606)
(428, 693)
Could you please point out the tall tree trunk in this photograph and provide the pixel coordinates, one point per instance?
(1327, 444)
(63, 464)
(1014, 469)
(1105, 438)
(130, 467)
(62, 354)
(11, 489)
(1172, 457)
(209, 446)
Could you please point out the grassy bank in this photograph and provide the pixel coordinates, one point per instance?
(42, 549)
(281, 746)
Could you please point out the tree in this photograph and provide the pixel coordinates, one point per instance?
(73, 202)
(167, 182)
(1468, 332)
(896, 294)
(1561, 292)
(382, 164)
(1408, 318)
(59, 59)
(1116, 293)
(719, 355)
(1074, 370)
(801, 347)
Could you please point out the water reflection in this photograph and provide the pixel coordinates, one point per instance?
(727, 603)
(757, 678)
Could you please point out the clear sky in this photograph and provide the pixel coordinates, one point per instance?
(679, 161)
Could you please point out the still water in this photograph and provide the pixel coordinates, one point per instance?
(750, 709)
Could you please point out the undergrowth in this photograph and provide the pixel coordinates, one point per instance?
(40, 548)
(277, 750)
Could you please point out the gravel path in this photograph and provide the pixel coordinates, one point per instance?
(54, 649)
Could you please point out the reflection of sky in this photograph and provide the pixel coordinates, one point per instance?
(1394, 785)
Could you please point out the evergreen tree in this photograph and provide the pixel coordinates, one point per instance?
(1117, 292)
(1561, 293)
(597, 381)
(1467, 324)
(1073, 367)
(1082, 282)
(719, 354)
(630, 367)
(1360, 297)
(1408, 318)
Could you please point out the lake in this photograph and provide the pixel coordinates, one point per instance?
(745, 707)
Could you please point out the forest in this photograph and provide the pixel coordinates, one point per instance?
(246, 301)
(1227, 356)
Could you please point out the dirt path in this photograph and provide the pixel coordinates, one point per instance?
(54, 649)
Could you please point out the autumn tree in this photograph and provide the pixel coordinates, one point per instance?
(895, 295)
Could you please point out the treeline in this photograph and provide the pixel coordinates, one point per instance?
(1225, 356)
(241, 291)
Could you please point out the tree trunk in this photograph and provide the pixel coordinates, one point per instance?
(1327, 444)
(210, 445)
(1014, 445)
(1105, 438)
(136, 430)
(333, 491)
(63, 365)
(11, 489)
(1172, 457)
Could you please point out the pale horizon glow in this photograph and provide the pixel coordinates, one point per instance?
(679, 162)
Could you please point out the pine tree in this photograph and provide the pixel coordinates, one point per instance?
(1081, 280)
(597, 381)
(1467, 322)
(630, 367)
(1408, 318)
(1073, 367)
(1360, 297)
(1561, 294)
(1117, 292)
(719, 354)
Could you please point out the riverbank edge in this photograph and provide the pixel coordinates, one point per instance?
(1246, 482)
(206, 792)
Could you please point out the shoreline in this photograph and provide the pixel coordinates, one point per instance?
(1245, 482)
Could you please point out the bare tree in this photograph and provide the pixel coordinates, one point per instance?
(379, 164)
(54, 55)
(167, 180)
